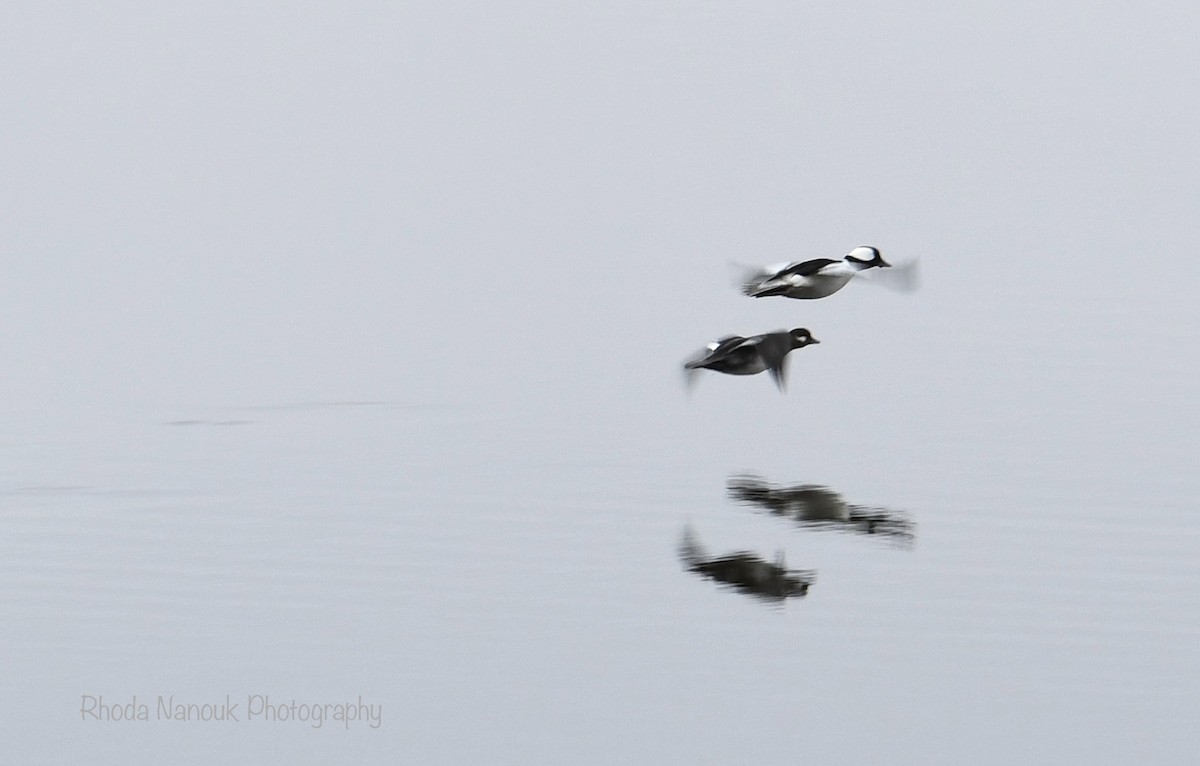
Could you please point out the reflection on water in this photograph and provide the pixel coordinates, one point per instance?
(813, 505)
(745, 571)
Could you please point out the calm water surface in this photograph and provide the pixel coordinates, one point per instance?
(506, 583)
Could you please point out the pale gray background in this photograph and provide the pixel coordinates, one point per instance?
(424, 273)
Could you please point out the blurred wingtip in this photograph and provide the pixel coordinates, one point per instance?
(901, 277)
(779, 374)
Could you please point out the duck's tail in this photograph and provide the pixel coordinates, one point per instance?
(750, 280)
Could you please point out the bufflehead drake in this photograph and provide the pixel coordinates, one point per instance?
(736, 355)
(817, 278)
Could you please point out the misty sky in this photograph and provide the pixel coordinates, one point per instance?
(236, 204)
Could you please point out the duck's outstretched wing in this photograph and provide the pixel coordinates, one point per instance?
(803, 268)
(718, 350)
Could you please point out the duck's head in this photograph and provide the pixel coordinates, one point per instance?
(867, 257)
(801, 338)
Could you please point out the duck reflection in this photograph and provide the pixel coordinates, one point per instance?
(745, 571)
(813, 505)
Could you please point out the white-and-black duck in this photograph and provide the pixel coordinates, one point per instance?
(817, 278)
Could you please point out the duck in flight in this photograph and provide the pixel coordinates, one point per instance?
(817, 278)
(736, 355)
